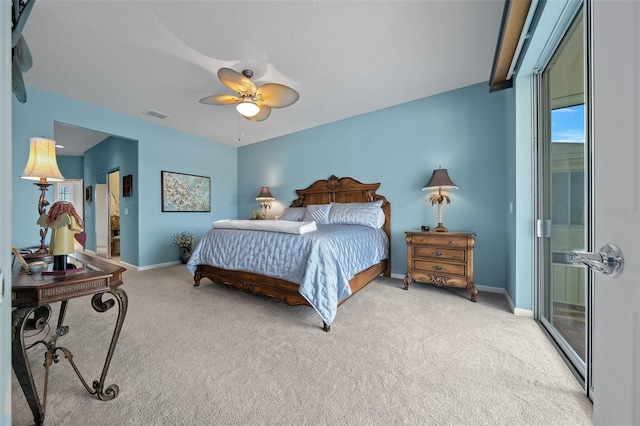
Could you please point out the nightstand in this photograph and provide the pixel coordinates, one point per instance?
(442, 259)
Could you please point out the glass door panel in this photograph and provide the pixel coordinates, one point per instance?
(563, 168)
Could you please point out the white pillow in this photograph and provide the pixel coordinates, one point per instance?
(366, 214)
(295, 214)
(317, 212)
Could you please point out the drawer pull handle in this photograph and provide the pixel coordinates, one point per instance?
(423, 239)
(437, 267)
(437, 253)
(452, 242)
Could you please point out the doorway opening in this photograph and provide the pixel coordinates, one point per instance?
(108, 215)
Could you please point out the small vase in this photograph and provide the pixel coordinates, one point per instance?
(185, 254)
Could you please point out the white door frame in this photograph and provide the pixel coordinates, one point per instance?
(5, 211)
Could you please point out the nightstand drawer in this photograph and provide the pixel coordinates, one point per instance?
(441, 240)
(439, 267)
(440, 253)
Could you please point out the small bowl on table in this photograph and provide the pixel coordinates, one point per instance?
(36, 268)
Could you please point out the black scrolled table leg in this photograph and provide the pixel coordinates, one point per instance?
(35, 318)
(102, 306)
(21, 321)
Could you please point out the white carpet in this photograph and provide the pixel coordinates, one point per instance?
(214, 355)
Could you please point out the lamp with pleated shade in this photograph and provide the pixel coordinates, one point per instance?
(42, 167)
(440, 181)
(264, 196)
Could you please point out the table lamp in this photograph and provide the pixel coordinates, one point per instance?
(440, 181)
(265, 197)
(43, 168)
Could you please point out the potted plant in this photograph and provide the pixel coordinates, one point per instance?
(185, 241)
(256, 215)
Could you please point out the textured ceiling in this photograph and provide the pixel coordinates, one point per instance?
(345, 58)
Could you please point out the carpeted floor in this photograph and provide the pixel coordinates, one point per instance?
(215, 355)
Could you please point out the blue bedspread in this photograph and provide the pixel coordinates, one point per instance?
(321, 262)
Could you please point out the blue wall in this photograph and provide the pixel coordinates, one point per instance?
(464, 131)
(71, 166)
(510, 169)
(114, 153)
(159, 148)
(467, 131)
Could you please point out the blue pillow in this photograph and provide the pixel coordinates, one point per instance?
(366, 214)
(317, 212)
(295, 214)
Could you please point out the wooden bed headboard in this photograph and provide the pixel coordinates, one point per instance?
(343, 190)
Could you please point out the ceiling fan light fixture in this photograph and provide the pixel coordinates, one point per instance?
(247, 108)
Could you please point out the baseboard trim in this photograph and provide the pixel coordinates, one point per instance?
(157, 265)
(491, 289)
(519, 312)
(129, 266)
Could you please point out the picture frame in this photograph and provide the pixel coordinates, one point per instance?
(183, 192)
(19, 258)
(127, 185)
(88, 194)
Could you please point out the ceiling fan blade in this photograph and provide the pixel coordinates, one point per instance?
(20, 19)
(236, 81)
(24, 55)
(220, 100)
(276, 95)
(17, 83)
(264, 113)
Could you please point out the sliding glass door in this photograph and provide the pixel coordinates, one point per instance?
(564, 197)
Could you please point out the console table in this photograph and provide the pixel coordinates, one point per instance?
(31, 297)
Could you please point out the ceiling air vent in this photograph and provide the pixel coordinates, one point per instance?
(157, 114)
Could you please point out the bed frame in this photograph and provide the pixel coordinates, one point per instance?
(344, 190)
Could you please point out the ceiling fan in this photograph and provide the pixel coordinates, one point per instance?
(21, 60)
(252, 102)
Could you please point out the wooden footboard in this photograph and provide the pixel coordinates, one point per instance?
(281, 289)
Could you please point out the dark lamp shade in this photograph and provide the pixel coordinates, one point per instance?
(440, 180)
(265, 194)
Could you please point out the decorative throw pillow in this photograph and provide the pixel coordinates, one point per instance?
(366, 214)
(295, 214)
(317, 212)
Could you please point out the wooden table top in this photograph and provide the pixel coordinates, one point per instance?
(97, 276)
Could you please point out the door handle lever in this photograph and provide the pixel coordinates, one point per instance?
(608, 261)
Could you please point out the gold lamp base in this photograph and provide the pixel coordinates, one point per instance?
(440, 228)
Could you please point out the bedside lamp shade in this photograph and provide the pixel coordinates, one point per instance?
(265, 194)
(440, 180)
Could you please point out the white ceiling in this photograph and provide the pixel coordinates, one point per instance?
(345, 58)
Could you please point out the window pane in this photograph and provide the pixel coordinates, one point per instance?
(64, 193)
(577, 198)
(560, 198)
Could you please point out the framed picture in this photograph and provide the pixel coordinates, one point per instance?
(19, 257)
(87, 194)
(185, 193)
(127, 184)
